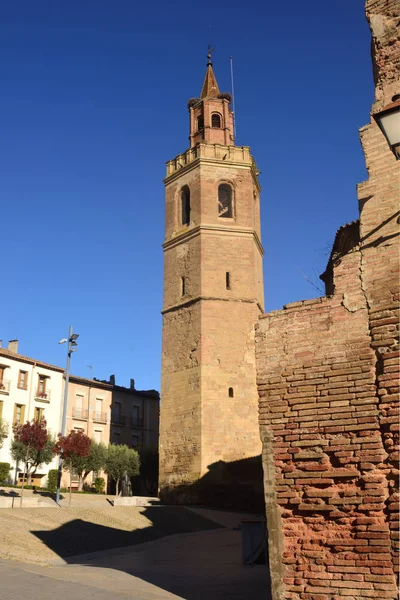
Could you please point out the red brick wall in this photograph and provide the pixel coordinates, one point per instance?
(328, 373)
(319, 417)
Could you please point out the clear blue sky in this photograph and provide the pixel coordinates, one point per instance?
(93, 103)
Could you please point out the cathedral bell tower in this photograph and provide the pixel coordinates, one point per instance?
(213, 294)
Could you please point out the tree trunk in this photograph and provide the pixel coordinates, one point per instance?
(23, 478)
(116, 487)
(80, 484)
(70, 485)
(29, 478)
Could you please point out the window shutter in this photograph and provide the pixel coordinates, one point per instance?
(22, 415)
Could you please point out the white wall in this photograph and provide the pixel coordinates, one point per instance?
(52, 405)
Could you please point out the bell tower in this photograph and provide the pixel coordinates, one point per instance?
(213, 294)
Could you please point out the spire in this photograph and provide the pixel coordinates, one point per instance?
(210, 87)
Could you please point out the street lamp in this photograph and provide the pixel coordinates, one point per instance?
(72, 337)
(388, 120)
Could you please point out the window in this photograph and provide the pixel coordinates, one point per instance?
(225, 201)
(79, 429)
(1, 408)
(183, 286)
(116, 413)
(99, 408)
(116, 438)
(230, 392)
(23, 380)
(185, 205)
(97, 435)
(19, 414)
(216, 120)
(135, 440)
(200, 123)
(39, 414)
(136, 416)
(4, 385)
(41, 391)
(228, 280)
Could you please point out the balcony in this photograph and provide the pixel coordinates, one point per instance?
(136, 422)
(4, 386)
(118, 420)
(42, 395)
(80, 413)
(99, 417)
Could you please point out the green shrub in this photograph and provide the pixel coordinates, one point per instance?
(52, 480)
(99, 484)
(4, 471)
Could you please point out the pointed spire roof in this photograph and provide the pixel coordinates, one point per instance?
(210, 87)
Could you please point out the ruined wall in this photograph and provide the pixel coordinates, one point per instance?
(319, 418)
(328, 373)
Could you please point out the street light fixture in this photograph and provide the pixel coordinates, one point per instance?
(388, 120)
(72, 337)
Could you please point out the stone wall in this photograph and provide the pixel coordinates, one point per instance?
(328, 375)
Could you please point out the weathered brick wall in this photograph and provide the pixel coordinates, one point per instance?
(328, 373)
(319, 418)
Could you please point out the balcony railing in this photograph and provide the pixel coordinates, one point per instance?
(99, 417)
(117, 419)
(44, 396)
(136, 422)
(80, 413)
(4, 386)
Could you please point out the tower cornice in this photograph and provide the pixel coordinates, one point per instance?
(195, 231)
(218, 154)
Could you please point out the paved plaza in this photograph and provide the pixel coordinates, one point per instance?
(204, 564)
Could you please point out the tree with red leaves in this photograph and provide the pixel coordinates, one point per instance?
(72, 447)
(33, 436)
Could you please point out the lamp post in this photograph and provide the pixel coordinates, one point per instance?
(72, 337)
(388, 120)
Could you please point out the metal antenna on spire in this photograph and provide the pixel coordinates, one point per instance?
(210, 51)
(233, 99)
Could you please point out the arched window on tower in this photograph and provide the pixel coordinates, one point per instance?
(216, 121)
(225, 201)
(200, 123)
(185, 205)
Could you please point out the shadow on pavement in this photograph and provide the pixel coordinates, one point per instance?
(205, 565)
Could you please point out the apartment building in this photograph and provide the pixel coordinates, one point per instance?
(134, 415)
(29, 389)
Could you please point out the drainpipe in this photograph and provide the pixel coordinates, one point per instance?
(147, 423)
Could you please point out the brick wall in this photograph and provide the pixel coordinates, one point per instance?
(328, 373)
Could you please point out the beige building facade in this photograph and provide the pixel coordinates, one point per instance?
(213, 294)
(108, 413)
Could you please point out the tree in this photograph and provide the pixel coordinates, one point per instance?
(121, 461)
(73, 447)
(3, 432)
(35, 458)
(33, 436)
(95, 461)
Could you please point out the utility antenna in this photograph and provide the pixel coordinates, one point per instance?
(233, 99)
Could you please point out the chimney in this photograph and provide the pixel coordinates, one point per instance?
(132, 384)
(13, 346)
(112, 379)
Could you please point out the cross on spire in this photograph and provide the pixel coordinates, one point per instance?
(210, 87)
